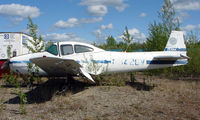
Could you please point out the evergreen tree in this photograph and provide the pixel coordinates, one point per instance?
(111, 42)
(127, 38)
(36, 45)
(193, 51)
(159, 32)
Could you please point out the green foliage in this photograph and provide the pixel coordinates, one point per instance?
(115, 79)
(157, 37)
(37, 45)
(127, 38)
(168, 17)
(33, 75)
(10, 78)
(159, 31)
(111, 43)
(2, 106)
(8, 51)
(192, 68)
(125, 45)
(23, 101)
(91, 65)
(22, 97)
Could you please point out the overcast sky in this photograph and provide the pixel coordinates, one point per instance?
(92, 20)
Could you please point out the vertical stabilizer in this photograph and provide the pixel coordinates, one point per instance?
(176, 42)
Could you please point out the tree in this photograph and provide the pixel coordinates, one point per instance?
(159, 32)
(192, 68)
(193, 38)
(157, 37)
(36, 45)
(111, 43)
(168, 17)
(127, 38)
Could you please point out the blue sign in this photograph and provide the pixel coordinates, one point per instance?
(6, 36)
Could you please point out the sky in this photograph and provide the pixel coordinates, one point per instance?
(92, 20)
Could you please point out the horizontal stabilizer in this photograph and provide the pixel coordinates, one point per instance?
(172, 57)
(184, 56)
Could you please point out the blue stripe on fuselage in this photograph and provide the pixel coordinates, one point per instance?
(95, 61)
(102, 61)
(13, 62)
(167, 62)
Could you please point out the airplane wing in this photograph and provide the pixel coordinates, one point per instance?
(172, 57)
(58, 67)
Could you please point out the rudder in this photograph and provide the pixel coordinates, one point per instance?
(176, 42)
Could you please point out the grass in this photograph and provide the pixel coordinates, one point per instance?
(168, 99)
(2, 105)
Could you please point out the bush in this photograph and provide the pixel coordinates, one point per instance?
(10, 78)
(115, 79)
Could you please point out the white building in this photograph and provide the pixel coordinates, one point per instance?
(17, 42)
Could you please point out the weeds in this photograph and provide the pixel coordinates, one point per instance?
(132, 77)
(2, 106)
(41, 116)
(22, 96)
(23, 100)
(10, 78)
(115, 79)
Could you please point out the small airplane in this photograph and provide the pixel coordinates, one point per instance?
(64, 59)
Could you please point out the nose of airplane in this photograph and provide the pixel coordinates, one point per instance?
(18, 63)
(12, 63)
(6, 65)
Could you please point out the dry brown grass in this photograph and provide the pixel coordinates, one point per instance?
(158, 98)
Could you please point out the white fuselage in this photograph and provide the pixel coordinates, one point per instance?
(103, 61)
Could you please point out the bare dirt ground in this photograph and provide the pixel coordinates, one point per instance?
(157, 99)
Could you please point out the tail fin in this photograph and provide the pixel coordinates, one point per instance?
(176, 46)
(176, 42)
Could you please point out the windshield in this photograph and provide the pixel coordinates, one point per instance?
(53, 50)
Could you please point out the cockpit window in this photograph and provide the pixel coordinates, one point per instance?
(53, 50)
(81, 49)
(66, 49)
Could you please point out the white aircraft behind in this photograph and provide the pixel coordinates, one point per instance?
(74, 58)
